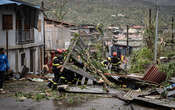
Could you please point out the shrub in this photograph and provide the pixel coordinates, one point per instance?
(140, 60)
(168, 68)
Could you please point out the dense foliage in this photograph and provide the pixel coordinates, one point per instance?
(116, 12)
(140, 60)
(168, 68)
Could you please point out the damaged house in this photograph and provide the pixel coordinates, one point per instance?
(21, 34)
(57, 34)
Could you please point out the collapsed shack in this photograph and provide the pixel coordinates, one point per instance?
(91, 70)
(80, 64)
(151, 78)
(84, 64)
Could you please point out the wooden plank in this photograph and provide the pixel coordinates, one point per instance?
(80, 71)
(164, 103)
(91, 90)
(69, 54)
(158, 102)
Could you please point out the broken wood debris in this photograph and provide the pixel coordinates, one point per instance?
(90, 90)
(80, 71)
(164, 103)
(145, 98)
(130, 81)
(78, 49)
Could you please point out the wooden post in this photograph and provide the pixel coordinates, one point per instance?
(127, 40)
(103, 44)
(69, 54)
(149, 18)
(149, 43)
(42, 8)
(7, 42)
(172, 30)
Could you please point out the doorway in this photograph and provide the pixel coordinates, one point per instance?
(32, 60)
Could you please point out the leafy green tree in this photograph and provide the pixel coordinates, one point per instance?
(140, 60)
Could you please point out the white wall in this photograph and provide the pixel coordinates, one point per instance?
(27, 52)
(15, 53)
(12, 60)
(39, 35)
(11, 33)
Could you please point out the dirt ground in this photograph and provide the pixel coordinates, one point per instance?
(28, 95)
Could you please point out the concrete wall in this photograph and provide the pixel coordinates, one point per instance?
(15, 50)
(12, 60)
(11, 33)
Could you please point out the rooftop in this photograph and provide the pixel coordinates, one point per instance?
(18, 3)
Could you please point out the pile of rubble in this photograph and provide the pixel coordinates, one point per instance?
(88, 71)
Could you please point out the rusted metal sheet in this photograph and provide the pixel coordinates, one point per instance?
(154, 75)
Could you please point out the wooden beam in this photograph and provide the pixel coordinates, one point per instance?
(7, 40)
(69, 54)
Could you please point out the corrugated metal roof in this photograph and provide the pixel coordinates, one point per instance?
(154, 75)
(17, 2)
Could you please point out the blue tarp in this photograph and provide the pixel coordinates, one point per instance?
(7, 2)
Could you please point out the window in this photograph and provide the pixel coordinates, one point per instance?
(7, 23)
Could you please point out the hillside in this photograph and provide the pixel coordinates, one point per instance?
(117, 12)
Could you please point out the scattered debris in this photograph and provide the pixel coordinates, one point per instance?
(164, 103)
(80, 72)
(154, 75)
(91, 67)
(36, 79)
(49, 76)
(130, 95)
(90, 90)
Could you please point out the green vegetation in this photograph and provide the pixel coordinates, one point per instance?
(149, 35)
(140, 60)
(116, 12)
(168, 68)
(35, 96)
(119, 13)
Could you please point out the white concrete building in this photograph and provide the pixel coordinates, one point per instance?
(21, 34)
